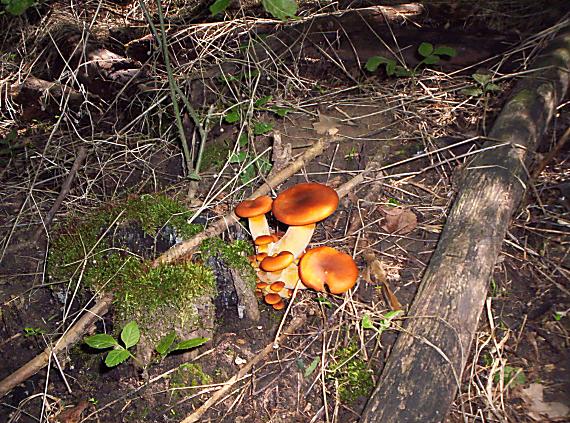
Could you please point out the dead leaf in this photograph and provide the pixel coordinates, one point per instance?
(375, 273)
(398, 220)
(534, 397)
(71, 415)
(326, 125)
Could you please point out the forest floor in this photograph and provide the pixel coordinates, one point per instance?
(256, 100)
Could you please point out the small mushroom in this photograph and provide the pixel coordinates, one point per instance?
(277, 262)
(277, 286)
(279, 306)
(272, 298)
(326, 266)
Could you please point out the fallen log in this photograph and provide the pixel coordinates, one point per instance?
(423, 372)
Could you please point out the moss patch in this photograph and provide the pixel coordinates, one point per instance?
(351, 372)
(189, 374)
(85, 252)
(234, 254)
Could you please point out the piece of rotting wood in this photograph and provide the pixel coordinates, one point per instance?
(423, 372)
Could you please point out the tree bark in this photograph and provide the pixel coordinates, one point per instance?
(423, 372)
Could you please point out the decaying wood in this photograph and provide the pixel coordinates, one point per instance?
(69, 338)
(423, 372)
(197, 415)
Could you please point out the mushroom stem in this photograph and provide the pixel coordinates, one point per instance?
(258, 226)
(295, 240)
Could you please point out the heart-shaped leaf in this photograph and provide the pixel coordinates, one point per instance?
(425, 49)
(445, 51)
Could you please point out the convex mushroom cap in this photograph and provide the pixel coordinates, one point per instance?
(326, 266)
(305, 203)
(301, 207)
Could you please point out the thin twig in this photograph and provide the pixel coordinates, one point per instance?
(197, 415)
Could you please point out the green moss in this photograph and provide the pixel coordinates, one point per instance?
(156, 211)
(215, 155)
(82, 252)
(351, 372)
(172, 285)
(234, 254)
(189, 374)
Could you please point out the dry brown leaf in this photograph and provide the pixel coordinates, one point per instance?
(398, 220)
(326, 125)
(71, 415)
(534, 397)
(375, 273)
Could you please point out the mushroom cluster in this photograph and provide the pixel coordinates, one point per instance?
(281, 262)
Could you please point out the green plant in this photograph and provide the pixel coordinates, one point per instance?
(166, 345)
(308, 370)
(260, 166)
(483, 85)
(281, 9)
(429, 53)
(17, 7)
(384, 324)
(130, 336)
(29, 331)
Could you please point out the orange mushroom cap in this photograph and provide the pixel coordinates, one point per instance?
(279, 306)
(256, 207)
(277, 286)
(277, 262)
(326, 266)
(272, 298)
(305, 203)
(265, 239)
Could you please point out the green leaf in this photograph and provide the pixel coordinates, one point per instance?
(391, 67)
(219, 6)
(190, 343)
(492, 87)
(116, 357)
(445, 51)
(242, 140)
(324, 302)
(261, 128)
(163, 346)
(473, 91)
(481, 78)
(311, 368)
(401, 71)
(391, 315)
(281, 9)
(367, 322)
(101, 341)
(280, 111)
(431, 60)
(425, 49)
(18, 7)
(232, 116)
(248, 174)
(264, 166)
(373, 62)
(238, 157)
(130, 334)
(262, 101)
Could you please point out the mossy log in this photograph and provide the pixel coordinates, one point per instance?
(424, 370)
